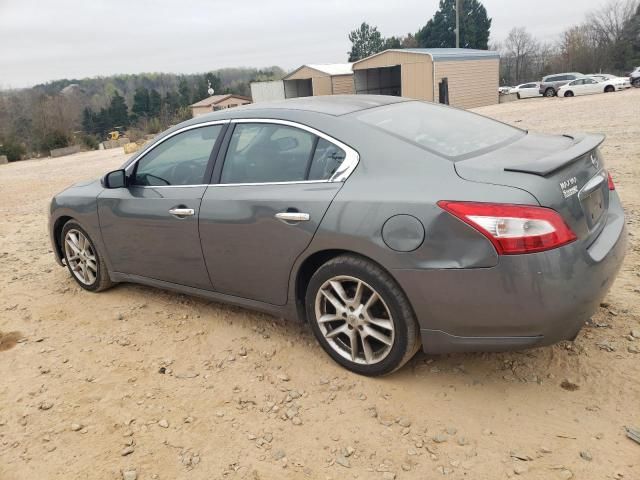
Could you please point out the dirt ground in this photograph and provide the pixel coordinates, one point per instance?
(97, 386)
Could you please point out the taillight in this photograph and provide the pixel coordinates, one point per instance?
(612, 186)
(513, 229)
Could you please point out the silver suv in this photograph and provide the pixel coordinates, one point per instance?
(551, 83)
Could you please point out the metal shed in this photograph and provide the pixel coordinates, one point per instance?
(319, 79)
(472, 75)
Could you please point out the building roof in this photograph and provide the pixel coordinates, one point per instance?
(444, 54)
(215, 99)
(328, 68)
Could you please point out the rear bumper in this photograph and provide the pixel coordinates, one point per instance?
(524, 301)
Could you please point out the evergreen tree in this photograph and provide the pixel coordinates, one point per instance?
(155, 103)
(185, 93)
(365, 41)
(140, 103)
(439, 32)
(171, 103)
(88, 120)
(118, 113)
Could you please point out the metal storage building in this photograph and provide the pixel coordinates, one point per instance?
(319, 79)
(472, 75)
(218, 102)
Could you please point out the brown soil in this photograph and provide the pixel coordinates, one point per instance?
(245, 395)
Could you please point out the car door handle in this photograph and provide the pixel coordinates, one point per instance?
(293, 217)
(182, 212)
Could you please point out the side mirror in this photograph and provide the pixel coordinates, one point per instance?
(115, 179)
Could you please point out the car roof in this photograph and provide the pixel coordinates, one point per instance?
(335, 105)
(578, 74)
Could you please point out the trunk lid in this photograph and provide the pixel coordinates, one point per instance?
(562, 172)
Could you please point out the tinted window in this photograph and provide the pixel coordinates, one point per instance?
(326, 160)
(180, 160)
(554, 79)
(262, 152)
(446, 131)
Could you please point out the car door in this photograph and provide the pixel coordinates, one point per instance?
(150, 227)
(577, 87)
(592, 86)
(276, 182)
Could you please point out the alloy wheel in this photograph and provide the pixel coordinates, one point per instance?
(81, 257)
(354, 320)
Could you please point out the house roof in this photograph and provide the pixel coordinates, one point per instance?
(328, 68)
(444, 54)
(214, 99)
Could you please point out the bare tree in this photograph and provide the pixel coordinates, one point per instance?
(520, 48)
(609, 20)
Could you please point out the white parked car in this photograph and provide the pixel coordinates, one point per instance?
(625, 82)
(527, 90)
(504, 90)
(586, 86)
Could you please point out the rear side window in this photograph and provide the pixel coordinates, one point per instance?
(326, 160)
(268, 153)
(446, 131)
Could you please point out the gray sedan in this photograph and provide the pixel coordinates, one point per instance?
(387, 224)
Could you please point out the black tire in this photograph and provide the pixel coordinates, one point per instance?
(568, 93)
(102, 280)
(636, 82)
(609, 89)
(550, 92)
(406, 335)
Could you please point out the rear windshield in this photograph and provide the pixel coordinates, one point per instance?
(448, 132)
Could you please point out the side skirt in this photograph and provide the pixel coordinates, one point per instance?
(284, 311)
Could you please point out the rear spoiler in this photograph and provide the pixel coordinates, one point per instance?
(544, 166)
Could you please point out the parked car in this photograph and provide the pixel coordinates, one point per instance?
(551, 83)
(385, 223)
(504, 89)
(587, 86)
(634, 77)
(526, 90)
(624, 82)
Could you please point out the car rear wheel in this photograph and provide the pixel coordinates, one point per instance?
(568, 94)
(549, 92)
(82, 258)
(361, 317)
(608, 89)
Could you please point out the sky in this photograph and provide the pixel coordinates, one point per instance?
(52, 39)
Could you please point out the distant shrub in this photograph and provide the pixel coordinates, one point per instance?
(54, 139)
(90, 141)
(153, 125)
(13, 150)
(135, 134)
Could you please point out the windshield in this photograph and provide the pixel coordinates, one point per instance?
(448, 132)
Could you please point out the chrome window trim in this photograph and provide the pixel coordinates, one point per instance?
(129, 168)
(347, 166)
(345, 170)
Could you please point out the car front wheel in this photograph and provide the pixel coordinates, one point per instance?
(83, 259)
(568, 94)
(361, 317)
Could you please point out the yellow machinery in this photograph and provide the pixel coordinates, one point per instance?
(116, 133)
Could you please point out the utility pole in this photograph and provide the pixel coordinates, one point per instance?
(457, 23)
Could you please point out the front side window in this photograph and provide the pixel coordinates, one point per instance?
(267, 153)
(180, 160)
